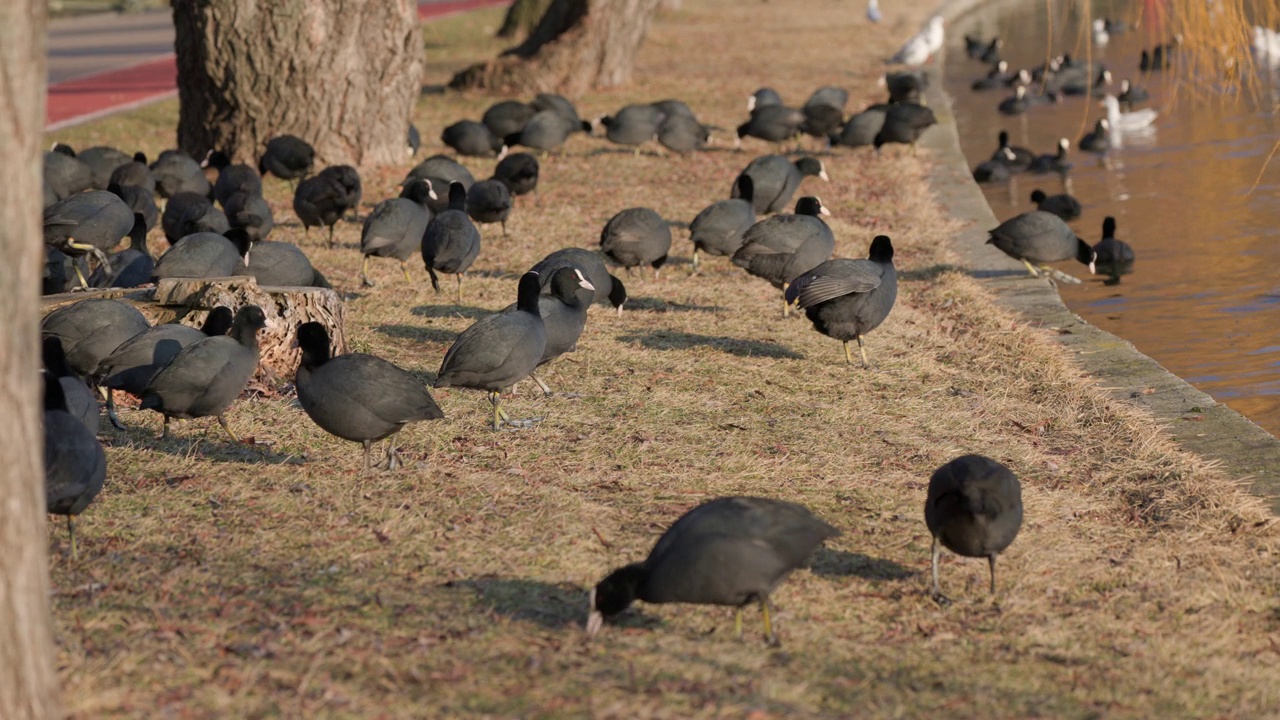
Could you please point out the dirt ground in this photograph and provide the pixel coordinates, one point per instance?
(277, 580)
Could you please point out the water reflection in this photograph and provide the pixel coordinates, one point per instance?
(1204, 295)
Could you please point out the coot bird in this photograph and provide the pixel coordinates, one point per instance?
(781, 248)
(441, 171)
(564, 315)
(277, 264)
(1130, 95)
(519, 172)
(102, 160)
(288, 157)
(92, 329)
(683, 134)
(563, 107)
(177, 172)
(763, 97)
(349, 178)
(451, 242)
(130, 267)
(730, 551)
(321, 201)
(862, 128)
(205, 377)
(546, 131)
(90, 222)
(993, 170)
(719, 227)
(67, 175)
(774, 179)
(249, 213)
(1097, 141)
(79, 399)
(1054, 162)
(1017, 158)
(468, 137)
(489, 201)
(498, 351)
(358, 397)
(609, 289)
(140, 201)
(904, 123)
(772, 123)
(633, 125)
(395, 227)
(974, 509)
(1063, 205)
(232, 178)
(507, 117)
(204, 255)
(188, 213)
(1039, 237)
(133, 363)
(75, 467)
(1115, 256)
(846, 299)
(636, 237)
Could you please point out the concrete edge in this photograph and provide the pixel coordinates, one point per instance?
(1195, 420)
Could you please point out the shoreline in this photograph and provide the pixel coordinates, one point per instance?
(1192, 418)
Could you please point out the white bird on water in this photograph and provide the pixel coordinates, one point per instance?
(1134, 120)
(1100, 35)
(923, 44)
(1266, 46)
(873, 11)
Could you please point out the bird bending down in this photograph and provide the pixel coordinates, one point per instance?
(974, 509)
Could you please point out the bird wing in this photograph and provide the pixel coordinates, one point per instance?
(833, 279)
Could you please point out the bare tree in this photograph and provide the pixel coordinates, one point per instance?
(578, 44)
(28, 682)
(340, 75)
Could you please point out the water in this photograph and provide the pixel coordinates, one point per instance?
(1204, 297)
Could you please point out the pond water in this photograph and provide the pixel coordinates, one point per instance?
(1204, 295)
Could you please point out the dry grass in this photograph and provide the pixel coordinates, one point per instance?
(220, 581)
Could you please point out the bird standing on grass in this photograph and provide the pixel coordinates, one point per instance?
(451, 242)
(718, 228)
(974, 509)
(75, 467)
(729, 551)
(846, 299)
(636, 237)
(564, 315)
(784, 247)
(395, 227)
(498, 351)
(358, 397)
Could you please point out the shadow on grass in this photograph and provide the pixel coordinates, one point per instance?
(551, 606)
(410, 332)
(838, 563)
(660, 305)
(451, 311)
(668, 340)
(188, 440)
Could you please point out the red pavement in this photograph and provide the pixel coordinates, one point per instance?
(85, 98)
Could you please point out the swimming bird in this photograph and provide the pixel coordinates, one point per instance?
(130, 267)
(75, 468)
(1040, 237)
(498, 351)
(1115, 256)
(204, 378)
(974, 509)
(846, 299)
(91, 222)
(1017, 158)
(718, 228)
(1053, 162)
(775, 179)
(395, 227)
(635, 237)
(1063, 205)
(92, 329)
(451, 242)
(904, 123)
(1100, 35)
(1098, 140)
(995, 169)
(1131, 95)
(783, 247)
(135, 361)
(608, 289)
(730, 551)
(288, 157)
(1017, 104)
(1131, 121)
(997, 77)
(564, 315)
(79, 399)
(358, 397)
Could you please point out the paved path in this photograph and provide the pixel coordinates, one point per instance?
(101, 64)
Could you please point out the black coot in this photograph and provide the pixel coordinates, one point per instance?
(1039, 237)
(130, 267)
(507, 117)
(90, 222)
(451, 242)
(1052, 162)
(718, 229)
(1098, 140)
(729, 551)
(321, 201)
(545, 131)
(633, 125)
(772, 123)
(287, 157)
(564, 315)
(564, 108)
(519, 172)
(92, 329)
(277, 264)
(1063, 205)
(775, 179)
(781, 248)
(846, 299)
(683, 134)
(862, 128)
(609, 289)
(1115, 256)
(498, 351)
(358, 397)
(395, 227)
(250, 213)
(140, 201)
(974, 509)
(79, 399)
(205, 377)
(134, 173)
(636, 237)
(177, 172)
(904, 123)
(75, 467)
(468, 137)
(187, 213)
(232, 178)
(67, 175)
(204, 255)
(441, 171)
(489, 201)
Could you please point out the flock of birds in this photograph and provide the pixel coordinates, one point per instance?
(730, 551)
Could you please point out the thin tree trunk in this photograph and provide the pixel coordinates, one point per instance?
(578, 45)
(340, 74)
(28, 681)
(522, 17)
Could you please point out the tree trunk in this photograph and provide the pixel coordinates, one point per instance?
(28, 681)
(522, 17)
(340, 74)
(578, 45)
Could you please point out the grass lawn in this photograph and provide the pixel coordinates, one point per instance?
(277, 580)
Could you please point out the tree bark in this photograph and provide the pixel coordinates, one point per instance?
(578, 45)
(341, 74)
(522, 17)
(28, 681)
